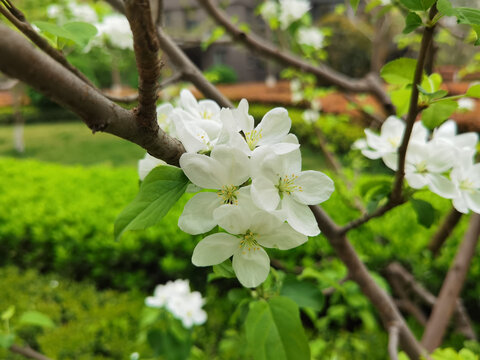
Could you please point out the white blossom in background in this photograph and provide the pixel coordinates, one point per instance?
(310, 116)
(311, 37)
(225, 153)
(296, 90)
(147, 164)
(116, 29)
(291, 11)
(466, 104)
(443, 162)
(82, 12)
(269, 10)
(175, 296)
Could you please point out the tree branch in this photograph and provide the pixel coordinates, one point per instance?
(28, 352)
(452, 285)
(369, 84)
(393, 334)
(146, 47)
(403, 284)
(358, 272)
(22, 61)
(17, 18)
(444, 231)
(413, 108)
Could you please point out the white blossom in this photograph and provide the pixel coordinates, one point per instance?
(249, 230)
(116, 29)
(311, 37)
(269, 9)
(279, 183)
(310, 116)
(466, 179)
(147, 164)
(83, 12)
(184, 305)
(466, 104)
(291, 11)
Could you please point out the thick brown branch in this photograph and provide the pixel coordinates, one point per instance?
(22, 61)
(182, 63)
(452, 285)
(413, 108)
(370, 84)
(444, 231)
(146, 46)
(358, 272)
(20, 22)
(28, 352)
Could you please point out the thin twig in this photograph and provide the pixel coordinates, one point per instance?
(413, 110)
(28, 352)
(393, 335)
(369, 84)
(17, 18)
(452, 285)
(405, 286)
(444, 231)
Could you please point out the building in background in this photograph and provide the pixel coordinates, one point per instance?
(189, 25)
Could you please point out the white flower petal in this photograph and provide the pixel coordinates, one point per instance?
(416, 181)
(251, 266)
(197, 216)
(241, 116)
(391, 161)
(202, 170)
(147, 164)
(299, 216)
(188, 101)
(264, 193)
(236, 219)
(473, 201)
(460, 204)
(313, 187)
(440, 185)
(214, 249)
(283, 237)
(234, 162)
(274, 126)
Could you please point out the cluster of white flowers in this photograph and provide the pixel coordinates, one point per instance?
(175, 296)
(311, 37)
(78, 12)
(260, 196)
(466, 104)
(116, 29)
(443, 162)
(287, 11)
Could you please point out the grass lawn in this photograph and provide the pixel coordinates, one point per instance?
(73, 143)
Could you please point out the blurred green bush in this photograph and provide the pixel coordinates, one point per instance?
(221, 74)
(89, 324)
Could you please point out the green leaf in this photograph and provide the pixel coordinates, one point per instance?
(215, 35)
(467, 16)
(169, 345)
(433, 95)
(7, 314)
(354, 4)
(6, 340)
(425, 212)
(444, 7)
(160, 190)
(304, 293)
(223, 270)
(36, 318)
(438, 112)
(274, 331)
(418, 5)
(412, 21)
(53, 29)
(81, 32)
(432, 83)
(474, 91)
(399, 72)
(401, 100)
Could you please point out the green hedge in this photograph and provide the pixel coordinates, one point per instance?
(60, 219)
(88, 324)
